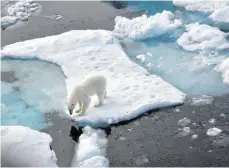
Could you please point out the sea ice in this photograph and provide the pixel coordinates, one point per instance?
(24, 147)
(194, 136)
(203, 37)
(224, 68)
(143, 27)
(185, 121)
(37, 88)
(213, 131)
(202, 100)
(91, 150)
(20, 10)
(211, 121)
(221, 15)
(201, 5)
(131, 91)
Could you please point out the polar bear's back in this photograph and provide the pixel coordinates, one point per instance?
(95, 84)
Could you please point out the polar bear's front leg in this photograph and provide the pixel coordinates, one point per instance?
(80, 103)
(85, 105)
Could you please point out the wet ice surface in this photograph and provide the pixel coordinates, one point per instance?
(30, 91)
(192, 73)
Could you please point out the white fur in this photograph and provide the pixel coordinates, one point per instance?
(94, 85)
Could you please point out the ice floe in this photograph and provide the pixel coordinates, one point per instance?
(20, 10)
(131, 90)
(213, 131)
(203, 37)
(185, 121)
(201, 5)
(24, 147)
(202, 100)
(91, 150)
(144, 27)
(224, 68)
(221, 15)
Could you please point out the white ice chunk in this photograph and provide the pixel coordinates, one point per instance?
(224, 68)
(212, 121)
(144, 27)
(203, 37)
(202, 100)
(131, 90)
(185, 121)
(8, 21)
(194, 136)
(222, 115)
(24, 147)
(91, 150)
(176, 110)
(201, 5)
(21, 10)
(213, 131)
(141, 57)
(221, 15)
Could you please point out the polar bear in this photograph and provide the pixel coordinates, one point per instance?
(93, 85)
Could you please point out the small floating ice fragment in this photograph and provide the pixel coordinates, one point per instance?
(213, 131)
(185, 121)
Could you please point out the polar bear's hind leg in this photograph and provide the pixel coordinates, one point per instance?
(100, 96)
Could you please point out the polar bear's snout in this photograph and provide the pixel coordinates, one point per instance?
(70, 105)
(94, 85)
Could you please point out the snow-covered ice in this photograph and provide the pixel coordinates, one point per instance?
(201, 5)
(143, 27)
(203, 37)
(202, 100)
(221, 15)
(185, 121)
(224, 68)
(20, 10)
(24, 147)
(7, 21)
(213, 131)
(131, 91)
(91, 150)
